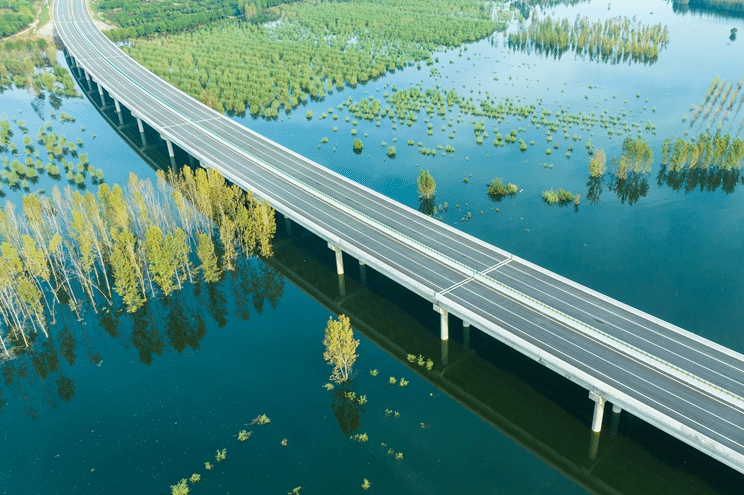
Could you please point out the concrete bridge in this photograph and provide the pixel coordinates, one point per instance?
(683, 384)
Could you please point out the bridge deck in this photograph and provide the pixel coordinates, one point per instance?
(685, 385)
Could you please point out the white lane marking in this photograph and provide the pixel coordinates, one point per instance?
(496, 266)
(626, 330)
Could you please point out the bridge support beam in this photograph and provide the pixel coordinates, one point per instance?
(103, 98)
(466, 334)
(87, 79)
(118, 111)
(339, 258)
(599, 403)
(170, 148)
(362, 273)
(142, 131)
(288, 227)
(444, 333)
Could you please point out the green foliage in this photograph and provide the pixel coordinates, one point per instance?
(497, 188)
(181, 488)
(261, 420)
(391, 151)
(244, 435)
(16, 15)
(561, 196)
(427, 186)
(597, 163)
(340, 346)
(316, 48)
(358, 145)
(637, 157)
(139, 18)
(34, 66)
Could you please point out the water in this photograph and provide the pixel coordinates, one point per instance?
(139, 402)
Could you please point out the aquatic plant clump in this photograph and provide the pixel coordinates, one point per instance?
(561, 196)
(498, 189)
(340, 346)
(427, 186)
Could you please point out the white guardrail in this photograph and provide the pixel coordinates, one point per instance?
(500, 287)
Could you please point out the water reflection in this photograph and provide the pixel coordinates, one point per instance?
(427, 206)
(346, 409)
(704, 180)
(593, 190)
(630, 189)
(173, 323)
(700, 8)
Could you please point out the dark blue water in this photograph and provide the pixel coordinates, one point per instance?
(121, 403)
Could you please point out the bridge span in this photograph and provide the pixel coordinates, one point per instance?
(687, 386)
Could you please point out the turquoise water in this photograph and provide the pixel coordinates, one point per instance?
(121, 403)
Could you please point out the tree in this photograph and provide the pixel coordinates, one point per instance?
(597, 163)
(358, 146)
(340, 347)
(427, 186)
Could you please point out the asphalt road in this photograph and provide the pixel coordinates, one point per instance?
(567, 330)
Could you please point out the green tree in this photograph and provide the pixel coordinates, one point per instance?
(340, 347)
(427, 186)
(597, 163)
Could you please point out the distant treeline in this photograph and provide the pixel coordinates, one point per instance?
(141, 18)
(15, 15)
(615, 40)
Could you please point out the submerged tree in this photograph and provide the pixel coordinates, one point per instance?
(340, 347)
(427, 186)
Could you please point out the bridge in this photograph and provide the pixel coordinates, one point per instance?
(687, 386)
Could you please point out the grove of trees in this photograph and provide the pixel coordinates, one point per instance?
(615, 40)
(15, 16)
(86, 250)
(313, 48)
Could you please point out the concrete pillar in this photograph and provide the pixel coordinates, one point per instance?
(142, 131)
(288, 227)
(466, 334)
(87, 78)
(599, 403)
(443, 332)
(362, 273)
(339, 258)
(103, 98)
(118, 111)
(191, 161)
(170, 148)
(444, 323)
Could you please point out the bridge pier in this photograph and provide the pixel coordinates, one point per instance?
(599, 403)
(142, 131)
(593, 445)
(118, 111)
(103, 98)
(362, 273)
(466, 334)
(87, 78)
(288, 226)
(339, 258)
(444, 333)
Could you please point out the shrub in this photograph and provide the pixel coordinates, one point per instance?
(498, 189)
(358, 145)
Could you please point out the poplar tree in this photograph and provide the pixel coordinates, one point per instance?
(340, 347)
